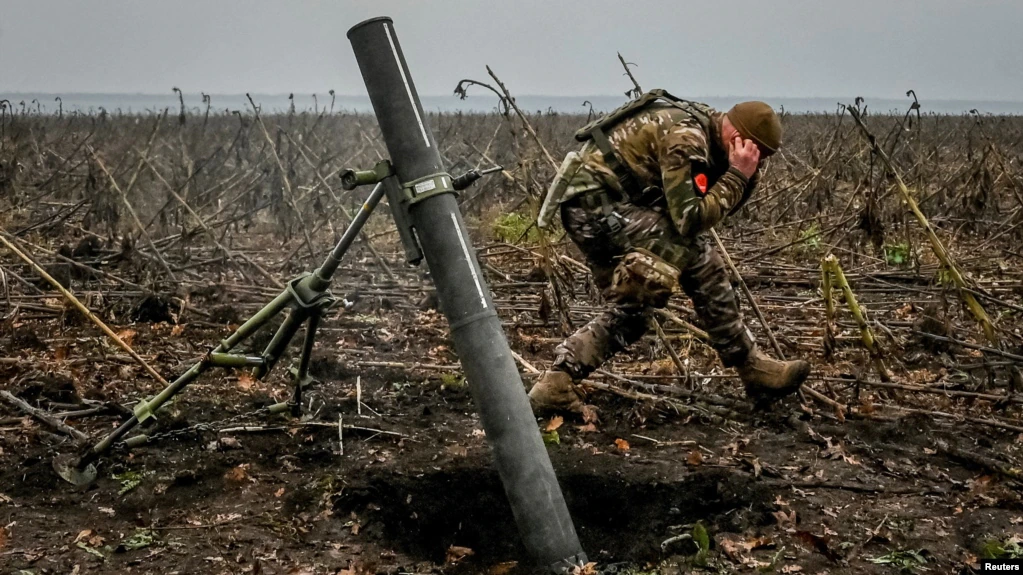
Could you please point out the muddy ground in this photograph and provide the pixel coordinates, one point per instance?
(410, 488)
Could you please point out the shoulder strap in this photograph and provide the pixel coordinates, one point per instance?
(620, 113)
(699, 111)
(625, 176)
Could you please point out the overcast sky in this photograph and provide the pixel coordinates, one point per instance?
(944, 49)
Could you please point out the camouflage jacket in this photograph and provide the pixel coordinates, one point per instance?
(667, 149)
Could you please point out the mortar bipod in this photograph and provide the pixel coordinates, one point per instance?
(307, 297)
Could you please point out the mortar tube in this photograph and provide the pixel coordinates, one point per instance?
(521, 458)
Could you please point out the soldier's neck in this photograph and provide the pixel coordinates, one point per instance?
(716, 131)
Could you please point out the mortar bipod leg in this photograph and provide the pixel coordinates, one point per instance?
(325, 272)
(302, 378)
(81, 470)
(281, 338)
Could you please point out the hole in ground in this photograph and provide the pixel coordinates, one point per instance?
(618, 517)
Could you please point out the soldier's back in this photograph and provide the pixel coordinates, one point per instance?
(642, 139)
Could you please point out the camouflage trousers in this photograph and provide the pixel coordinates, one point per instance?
(703, 278)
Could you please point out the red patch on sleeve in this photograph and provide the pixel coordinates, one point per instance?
(701, 182)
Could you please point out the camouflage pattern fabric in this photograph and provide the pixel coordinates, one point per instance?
(670, 154)
(643, 278)
(666, 149)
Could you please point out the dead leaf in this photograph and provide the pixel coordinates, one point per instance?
(737, 446)
(590, 414)
(838, 451)
(456, 554)
(503, 568)
(246, 381)
(177, 330)
(667, 366)
(981, 483)
(555, 422)
(819, 544)
(229, 443)
(127, 336)
(785, 519)
(279, 492)
(621, 444)
(755, 464)
(60, 354)
(791, 569)
(866, 406)
(732, 548)
(588, 569)
(695, 458)
(237, 474)
(588, 428)
(737, 549)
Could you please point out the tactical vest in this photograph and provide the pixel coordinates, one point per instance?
(597, 132)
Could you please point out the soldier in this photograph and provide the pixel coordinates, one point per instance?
(639, 200)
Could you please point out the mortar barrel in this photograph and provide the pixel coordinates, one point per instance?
(523, 464)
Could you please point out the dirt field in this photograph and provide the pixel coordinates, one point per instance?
(920, 474)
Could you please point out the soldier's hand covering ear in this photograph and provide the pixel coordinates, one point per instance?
(744, 155)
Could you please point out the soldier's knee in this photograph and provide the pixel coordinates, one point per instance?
(643, 279)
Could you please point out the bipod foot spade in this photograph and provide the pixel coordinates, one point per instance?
(68, 467)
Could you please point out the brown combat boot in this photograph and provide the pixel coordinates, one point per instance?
(554, 390)
(767, 378)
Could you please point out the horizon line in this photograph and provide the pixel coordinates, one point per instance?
(491, 96)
